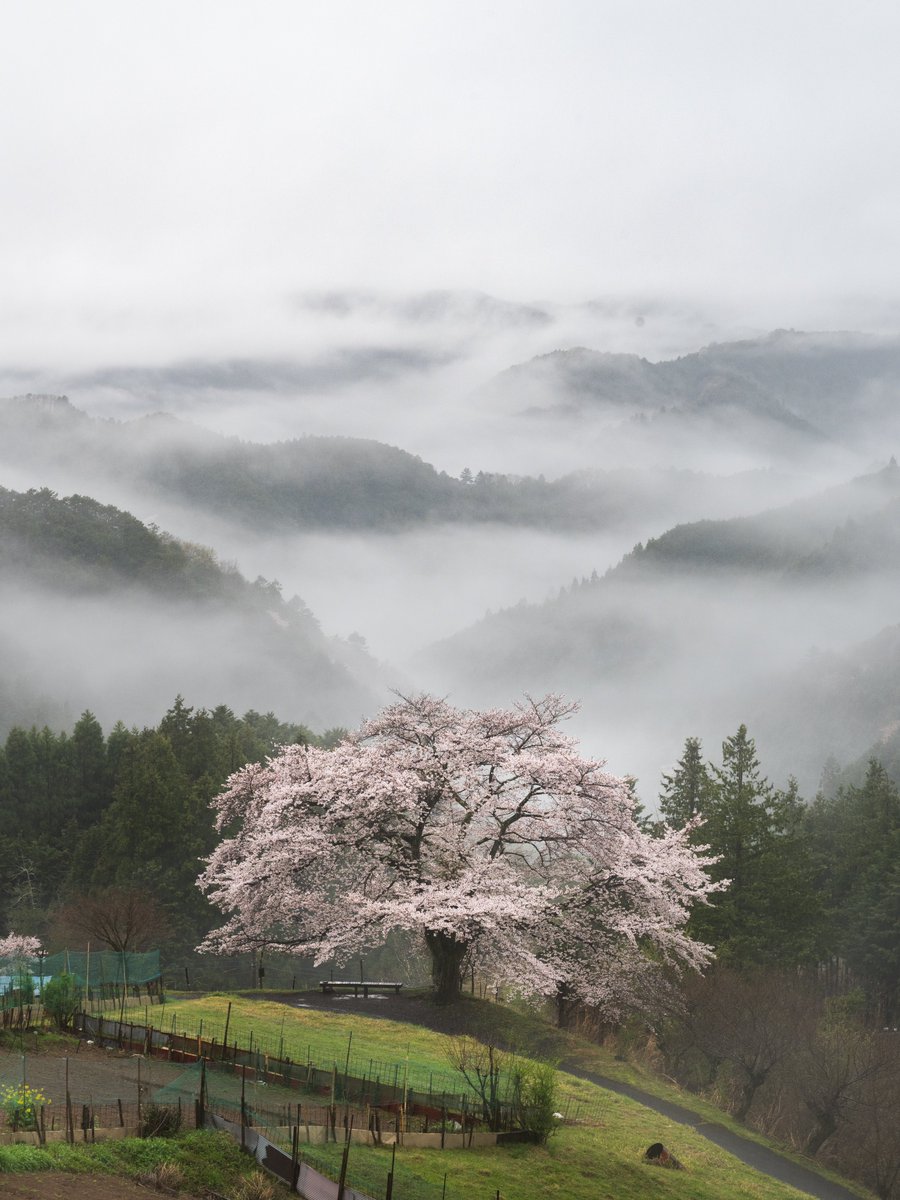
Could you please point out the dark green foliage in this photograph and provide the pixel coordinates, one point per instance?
(769, 912)
(81, 813)
(687, 791)
(536, 1097)
(855, 841)
(61, 998)
(814, 885)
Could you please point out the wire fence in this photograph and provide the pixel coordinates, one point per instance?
(367, 1082)
(307, 1142)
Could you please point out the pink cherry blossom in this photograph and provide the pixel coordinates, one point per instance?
(17, 947)
(484, 833)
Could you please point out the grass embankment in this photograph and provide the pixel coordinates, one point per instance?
(205, 1161)
(580, 1162)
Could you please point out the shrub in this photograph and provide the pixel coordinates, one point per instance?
(160, 1120)
(534, 1085)
(61, 998)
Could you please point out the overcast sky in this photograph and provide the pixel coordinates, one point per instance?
(176, 173)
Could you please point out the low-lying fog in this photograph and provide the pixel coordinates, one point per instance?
(700, 670)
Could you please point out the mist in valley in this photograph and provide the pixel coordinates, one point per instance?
(554, 300)
(402, 605)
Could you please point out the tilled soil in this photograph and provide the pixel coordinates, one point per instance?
(96, 1076)
(53, 1185)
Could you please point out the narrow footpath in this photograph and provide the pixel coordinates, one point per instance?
(761, 1158)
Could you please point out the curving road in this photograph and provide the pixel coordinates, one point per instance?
(770, 1162)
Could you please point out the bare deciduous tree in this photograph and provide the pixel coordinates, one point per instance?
(122, 918)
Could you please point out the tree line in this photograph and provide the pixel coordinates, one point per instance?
(814, 886)
(83, 814)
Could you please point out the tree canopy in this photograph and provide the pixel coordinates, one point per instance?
(484, 833)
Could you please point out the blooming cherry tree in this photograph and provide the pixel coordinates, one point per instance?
(483, 832)
(16, 952)
(18, 947)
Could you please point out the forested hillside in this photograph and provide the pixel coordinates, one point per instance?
(97, 606)
(813, 385)
(341, 483)
(743, 615)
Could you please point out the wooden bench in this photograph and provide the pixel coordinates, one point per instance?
(330, 986)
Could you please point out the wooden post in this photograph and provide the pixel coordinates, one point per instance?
(68, 1100)
(347, 1062)
(295, 1156)
(227, 1020)
(140, 1120)
(201, 1109)
(243, 1107)
(343, 1176)
(390, 1179)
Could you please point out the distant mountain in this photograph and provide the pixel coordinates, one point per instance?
(793, 376)
(806, 387)
(337, 482)
(99, 610)
(710, 619)
(848, 525)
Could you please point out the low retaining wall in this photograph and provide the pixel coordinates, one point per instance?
(319, 1135)
(30, 1137)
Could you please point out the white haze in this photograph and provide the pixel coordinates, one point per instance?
(345, 219)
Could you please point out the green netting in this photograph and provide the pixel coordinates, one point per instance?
(222, 1087)
(92, 969)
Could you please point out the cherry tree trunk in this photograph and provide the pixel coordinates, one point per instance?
(447, 954)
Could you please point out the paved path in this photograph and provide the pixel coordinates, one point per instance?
(785, 1170)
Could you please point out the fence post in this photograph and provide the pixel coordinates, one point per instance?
(70, 1132)
(225, 1035)
(389, 1191)
(201, 1103)
(243, 1108)
(343, 1176)
(295, 1154)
